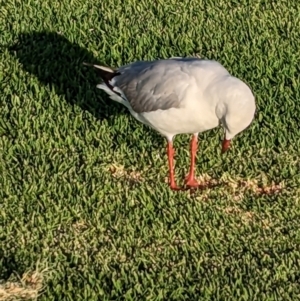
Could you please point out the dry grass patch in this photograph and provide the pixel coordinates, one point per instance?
(119, 171)
(241, 185)
(245, 215)
(28, 287)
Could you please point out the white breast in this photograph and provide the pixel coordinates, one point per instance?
(197, 115)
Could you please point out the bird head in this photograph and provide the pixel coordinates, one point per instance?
(238, 110)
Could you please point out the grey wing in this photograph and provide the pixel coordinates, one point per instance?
(151, 86)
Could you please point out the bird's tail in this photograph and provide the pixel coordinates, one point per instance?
(106, 73)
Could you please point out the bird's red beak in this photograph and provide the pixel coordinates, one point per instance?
(225, 145)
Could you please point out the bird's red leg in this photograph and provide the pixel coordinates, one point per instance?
(170, 152)
(190, 178)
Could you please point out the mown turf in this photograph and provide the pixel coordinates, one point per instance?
(83, 184)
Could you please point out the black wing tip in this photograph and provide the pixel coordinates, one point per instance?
(106, 73)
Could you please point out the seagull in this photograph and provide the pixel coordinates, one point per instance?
(181, 95)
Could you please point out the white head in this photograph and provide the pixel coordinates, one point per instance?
(236, 109)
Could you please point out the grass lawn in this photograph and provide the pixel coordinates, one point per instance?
(85, 211)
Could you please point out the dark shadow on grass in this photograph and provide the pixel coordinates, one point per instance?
(57, 63)
(9, 266)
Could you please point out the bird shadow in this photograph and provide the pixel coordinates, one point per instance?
(58, 64)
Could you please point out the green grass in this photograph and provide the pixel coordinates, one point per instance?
(82, 184)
